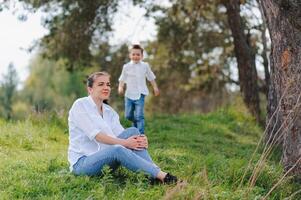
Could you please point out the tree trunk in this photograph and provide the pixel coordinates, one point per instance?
(264, 56)
(245, 59)
(284, 23)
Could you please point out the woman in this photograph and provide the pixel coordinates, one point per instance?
(96, 137)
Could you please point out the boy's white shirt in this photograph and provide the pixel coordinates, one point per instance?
(134, 76)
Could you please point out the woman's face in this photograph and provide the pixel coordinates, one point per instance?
(101, 88)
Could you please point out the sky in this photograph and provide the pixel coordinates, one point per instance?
(16, 36)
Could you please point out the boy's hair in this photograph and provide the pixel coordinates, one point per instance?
(91, 78)
(137, 46)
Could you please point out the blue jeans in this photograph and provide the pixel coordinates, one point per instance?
(116, 155)
(134, 111)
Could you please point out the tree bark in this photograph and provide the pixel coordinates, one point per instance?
(284, 23)
(245, 59)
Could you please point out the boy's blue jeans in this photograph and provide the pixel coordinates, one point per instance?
(134, 111)
(116, 155)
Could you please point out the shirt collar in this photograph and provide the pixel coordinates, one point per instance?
(91, 101)
(132, 62)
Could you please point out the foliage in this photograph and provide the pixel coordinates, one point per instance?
(8, 89)
(74, 27)
(194, 34)
(208, 152)
(51, 87)
(193, 54)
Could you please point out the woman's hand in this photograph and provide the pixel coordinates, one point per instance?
(136, 142)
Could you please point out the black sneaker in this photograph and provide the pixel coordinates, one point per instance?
(154, 181)
(169, 179)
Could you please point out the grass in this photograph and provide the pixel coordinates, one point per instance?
(209, 153)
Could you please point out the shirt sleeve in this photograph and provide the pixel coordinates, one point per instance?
(82, 120)
(149, 73)
(122, 75)
(118, 128)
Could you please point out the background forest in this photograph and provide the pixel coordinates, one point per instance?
(193, 56)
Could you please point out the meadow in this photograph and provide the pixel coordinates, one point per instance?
(209, 153)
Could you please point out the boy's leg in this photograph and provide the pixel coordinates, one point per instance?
(139, 113)
(142, 153)
(129, 109)
(93, 164)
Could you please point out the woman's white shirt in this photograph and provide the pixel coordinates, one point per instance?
(85, 122)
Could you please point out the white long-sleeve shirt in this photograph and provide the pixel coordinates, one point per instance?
(134, 76)
(85, 122)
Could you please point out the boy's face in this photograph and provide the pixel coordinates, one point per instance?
(136, 55)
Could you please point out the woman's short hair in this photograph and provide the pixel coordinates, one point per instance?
(91, 78)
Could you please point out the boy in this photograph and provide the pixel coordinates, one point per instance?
(133, 75)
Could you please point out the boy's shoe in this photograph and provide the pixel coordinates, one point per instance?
(170, 179)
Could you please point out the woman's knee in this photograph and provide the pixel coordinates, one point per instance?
(129, 132)
(117, 151)
(132, 131)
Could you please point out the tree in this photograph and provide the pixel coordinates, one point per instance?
(284, 24)
(194, 33)
(203, 39)
(8, 89)
(50, 87)
(76, 28)
(245, 57)
(191, 57)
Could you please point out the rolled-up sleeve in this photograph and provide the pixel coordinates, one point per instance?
(149, 73)
(82, 120)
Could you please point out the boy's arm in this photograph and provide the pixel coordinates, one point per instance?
(151, 78)
(122, 80)
(155, 87)
(120, 87)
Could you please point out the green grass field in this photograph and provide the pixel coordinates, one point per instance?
(209, 153)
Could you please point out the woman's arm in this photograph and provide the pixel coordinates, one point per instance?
(135, 142)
